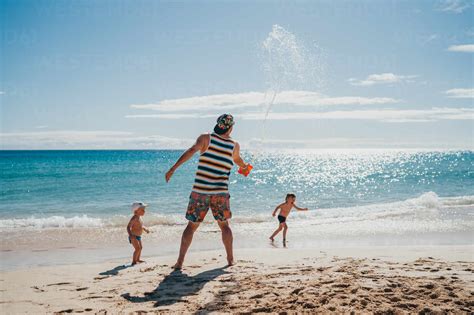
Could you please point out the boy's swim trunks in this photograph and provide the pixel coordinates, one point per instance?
(139, 238)
(281, 218)
(199, 204)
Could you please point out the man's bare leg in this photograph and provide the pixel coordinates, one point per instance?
(186, 241)
(227, 239)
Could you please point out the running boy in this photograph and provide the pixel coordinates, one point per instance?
(135, 229)
(285, 209)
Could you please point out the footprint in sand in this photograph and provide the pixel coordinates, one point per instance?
(226, 280)
(407, 305)
(59, 283)
(148, 269)
(101, 277)
(37, 289)
(258, 296)
(70, 310)
(93, 297)
(297, 290)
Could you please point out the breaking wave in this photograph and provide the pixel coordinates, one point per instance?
(422, 208)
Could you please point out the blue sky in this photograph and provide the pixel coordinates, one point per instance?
(143, 74)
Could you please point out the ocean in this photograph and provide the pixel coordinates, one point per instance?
(81, 199)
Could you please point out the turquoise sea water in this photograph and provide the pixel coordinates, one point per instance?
(81, 189)
(103, 183)
(51, 200)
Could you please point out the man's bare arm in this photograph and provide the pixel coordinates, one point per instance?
(237, 158)
(200, 144)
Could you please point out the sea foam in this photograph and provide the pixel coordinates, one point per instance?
(423, 210)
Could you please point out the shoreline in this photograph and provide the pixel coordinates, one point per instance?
(338, 279)
(272, 255)
(26, 258)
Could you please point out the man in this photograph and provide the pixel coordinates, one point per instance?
(210, 189)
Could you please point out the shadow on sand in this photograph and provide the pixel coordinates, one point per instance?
(114, 271)
(176, 286)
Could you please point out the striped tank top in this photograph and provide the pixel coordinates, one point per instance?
(212, 176)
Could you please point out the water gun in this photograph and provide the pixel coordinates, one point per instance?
(245, 171)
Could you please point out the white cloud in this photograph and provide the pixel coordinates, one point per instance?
(453, 6)
(298, 105)
(387, 115)
(335, 142)
(382, 78)
(469, 48)
(2, 92)
(171, 116)
(245, 100)
(75, 139)
(460, 93)
(354, 144)
(227, 101)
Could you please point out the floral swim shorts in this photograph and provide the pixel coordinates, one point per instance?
(199, 204)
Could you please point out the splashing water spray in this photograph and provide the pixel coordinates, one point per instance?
(287, 65)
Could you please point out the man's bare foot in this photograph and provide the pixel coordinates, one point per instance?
(271, 238)
(230, 263)
(141, 261)
(133, 263)
(177, 266)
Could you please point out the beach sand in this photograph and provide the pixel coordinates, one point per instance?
(385, 280)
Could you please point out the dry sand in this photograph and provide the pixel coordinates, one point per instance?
(381, 280)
